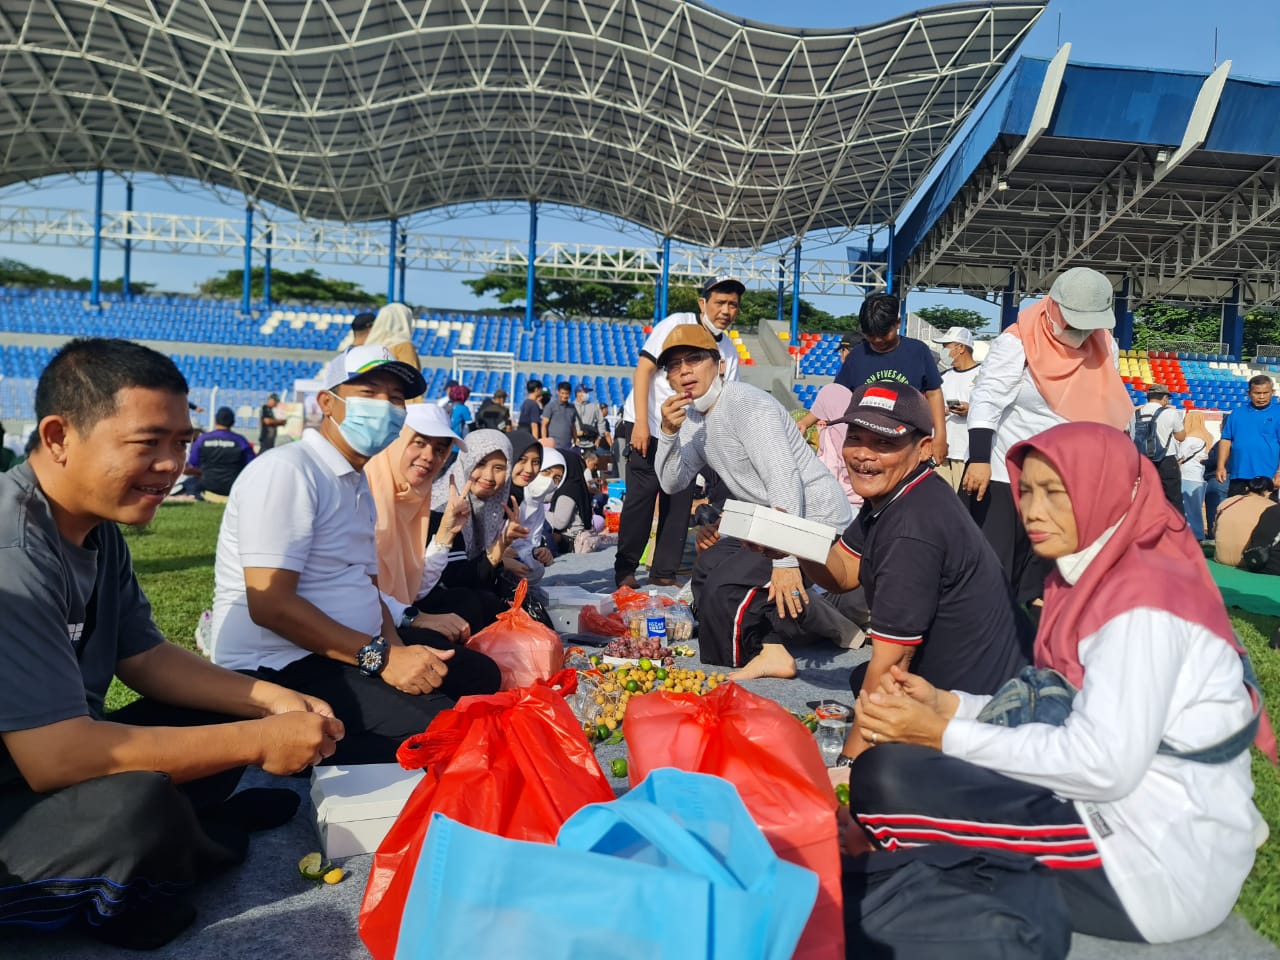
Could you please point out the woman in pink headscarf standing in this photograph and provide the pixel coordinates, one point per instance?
(1138, 794)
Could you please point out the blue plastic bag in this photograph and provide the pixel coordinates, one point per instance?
(693, 821)
(676, 869)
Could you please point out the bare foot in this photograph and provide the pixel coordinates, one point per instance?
(772, 661)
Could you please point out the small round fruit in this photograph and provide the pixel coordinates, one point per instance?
(632, 686)
(618, 768)
(602, 732)
(334, 876)
(660, 673)
(646, 664)
(842, 793)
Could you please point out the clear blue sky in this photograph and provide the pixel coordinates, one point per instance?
(1171, 34)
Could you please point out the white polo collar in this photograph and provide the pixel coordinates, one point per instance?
(329, 456)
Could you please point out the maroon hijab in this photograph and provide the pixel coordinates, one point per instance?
(1152, 559)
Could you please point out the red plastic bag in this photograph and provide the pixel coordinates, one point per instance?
(591, 620)
(626, 599)
(525, 650)
(516, 764)
(774, 762)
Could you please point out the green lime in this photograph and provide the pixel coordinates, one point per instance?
(660, 673)
(602, 732)
(842, 794)
(313, 867)
(632, 686)
(618, 768)
(595, 659)
(646, 664)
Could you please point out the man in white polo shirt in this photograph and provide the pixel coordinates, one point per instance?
(957, 386)
(296, 595)
(717, 310)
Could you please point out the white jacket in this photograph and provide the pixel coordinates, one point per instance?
(1177, 838)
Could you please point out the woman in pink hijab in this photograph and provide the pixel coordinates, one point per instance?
(1138, 796)
(830, 404)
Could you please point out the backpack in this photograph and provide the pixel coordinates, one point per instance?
(944, 902)
(1144, 436)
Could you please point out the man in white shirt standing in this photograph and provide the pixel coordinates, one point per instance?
(718, 308)
(957, 385)
(296, 594)
(1163, 425)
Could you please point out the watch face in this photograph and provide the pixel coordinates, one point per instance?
(370, 658)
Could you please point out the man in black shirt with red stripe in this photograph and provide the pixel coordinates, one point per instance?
(938, 597)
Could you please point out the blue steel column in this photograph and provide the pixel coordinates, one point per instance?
(1009, 302)
(266, 266)
(795, 297)
(95, 289)
(246, 304)
(1233, 323)
(126, 285)
(666, 276)
(531, 280)
(402, 260)
(782, 286)
(1124, 316)
(392, 246)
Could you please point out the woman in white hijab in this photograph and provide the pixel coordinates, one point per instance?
(529, 556)
(393, 328)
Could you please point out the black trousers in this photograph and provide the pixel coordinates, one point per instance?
(637, 518)
(116, 845)
(1171, 482)
(377, 716)
(998, 518)
(904, 795)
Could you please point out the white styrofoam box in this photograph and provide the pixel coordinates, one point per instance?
(564, 603)
(777, 530)
(356, 806)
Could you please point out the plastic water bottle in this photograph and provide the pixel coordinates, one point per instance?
(655, 619)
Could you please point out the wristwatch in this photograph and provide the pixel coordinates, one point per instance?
(410, 614)
(372, 657)
(844, 760)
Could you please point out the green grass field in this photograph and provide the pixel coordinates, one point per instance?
(174, 561)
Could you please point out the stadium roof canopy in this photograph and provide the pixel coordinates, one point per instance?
(704, 127)
(1169, 180)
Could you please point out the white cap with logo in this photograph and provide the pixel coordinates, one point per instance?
(363, 360)
(957, 335)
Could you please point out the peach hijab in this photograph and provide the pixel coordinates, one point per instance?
(1078, 384)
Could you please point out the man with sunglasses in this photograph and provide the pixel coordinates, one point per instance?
(718, 307)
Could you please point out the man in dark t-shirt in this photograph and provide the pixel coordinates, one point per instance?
(268, 423)
(106, 817)
(884, 354)
(531, 409)
(217, 457)
(937, 594)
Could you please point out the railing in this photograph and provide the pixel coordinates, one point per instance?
(1271, 350)
(1190, 346)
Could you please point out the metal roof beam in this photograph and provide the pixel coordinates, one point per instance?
(1045, 105)
(1201, 119)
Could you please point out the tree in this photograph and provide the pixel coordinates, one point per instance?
(1160, 322)
(556, 292)
(944, 318)
(305, 287)
(15, 273)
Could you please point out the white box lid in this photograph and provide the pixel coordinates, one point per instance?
(366, 792)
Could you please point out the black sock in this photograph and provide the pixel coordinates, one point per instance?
(258, 808)
(146, 926)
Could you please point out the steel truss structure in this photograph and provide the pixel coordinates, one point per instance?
(1169, 183)
(300, 241)
(713, 130)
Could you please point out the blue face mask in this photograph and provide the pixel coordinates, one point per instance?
(370, 425)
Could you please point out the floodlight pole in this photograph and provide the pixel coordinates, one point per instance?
(393, 246)
(95, 289)
(1124, 316)
(1233, 323)
(402, 260)
(666, 277)
(266, 266)
(530, 283)
(127, 288)
(795, 297)
(246, 302)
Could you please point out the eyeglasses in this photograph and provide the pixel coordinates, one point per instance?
(689, 360)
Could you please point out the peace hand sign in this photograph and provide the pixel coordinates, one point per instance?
(456, 513)
(513, 531)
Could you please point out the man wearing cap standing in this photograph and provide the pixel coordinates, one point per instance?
(957, 386)
(296, 596)
(641, 418)
(590, 421)
(1164, 423)
(218, 457)
(1057, 364)
(938, 598)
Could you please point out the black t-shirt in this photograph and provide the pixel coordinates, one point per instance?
(932, 581)
(70, 614)
(266, 434)
(530, 413)
(220, 455)
(1265, 533)
(910, 362)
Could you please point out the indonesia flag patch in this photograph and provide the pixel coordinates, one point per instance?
(879, 397)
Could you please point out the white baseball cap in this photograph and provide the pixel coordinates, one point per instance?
(360, 361)
(1085, 298)
(957, 335)
(430, 420)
